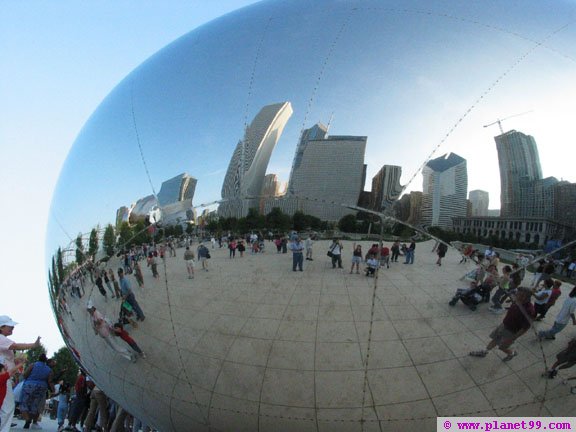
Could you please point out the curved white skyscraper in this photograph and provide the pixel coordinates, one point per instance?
(245, 176)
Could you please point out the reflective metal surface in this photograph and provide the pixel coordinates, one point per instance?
(248, 345)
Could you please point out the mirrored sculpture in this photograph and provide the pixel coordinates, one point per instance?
(322, 95)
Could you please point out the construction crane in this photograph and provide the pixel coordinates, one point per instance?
(499, 121)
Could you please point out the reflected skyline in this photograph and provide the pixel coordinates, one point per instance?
(410, 96)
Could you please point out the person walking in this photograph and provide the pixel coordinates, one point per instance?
(441, 252)
(395, 249)
(517, 321)
(189, 260)
(203, 256)
(7, 348)
(308, 244)
(128, 295)
(410, 253)
(38, 378)
(297, 248)
(335, 253)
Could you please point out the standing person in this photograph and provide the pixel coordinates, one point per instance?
(128, 295)
(441, 252)
(38, 380)
(554, 294)
(284, 245)
(115, 283)
(108, 283)
(384, 256)
(63, 403)
(336, 253)
(395, 249)
(81, 401)
(564, 316)
(502, 291)
(232, 248)
(356, 258)
(100, 284)
(151, 262)
(297, 247)
(308, 244)
(138, 274)
(241, 248)
(189, 260)
(7, 348)
(5, 382)
(541, 297)
(203, 256)
(517, 321)
(410, 253)
(538, 273)
(98, 402)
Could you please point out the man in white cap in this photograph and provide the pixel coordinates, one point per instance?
(7, 347)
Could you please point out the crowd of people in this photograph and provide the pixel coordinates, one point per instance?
(84, 405)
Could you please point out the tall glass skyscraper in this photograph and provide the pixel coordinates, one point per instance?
(519, 169)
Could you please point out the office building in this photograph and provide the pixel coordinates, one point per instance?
(386, 188)
(445, 187)
(244, 179)
(519, 168)
(479, 201)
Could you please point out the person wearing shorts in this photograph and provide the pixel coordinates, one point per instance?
(517, 321)
(189, 258)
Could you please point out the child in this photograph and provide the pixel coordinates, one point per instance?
(5, 374)
(371, 265)
(123, 334)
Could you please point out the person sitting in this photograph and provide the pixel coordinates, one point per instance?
(372, 265)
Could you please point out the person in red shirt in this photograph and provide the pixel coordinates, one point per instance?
(517, 321)
(556, 292)
(123, 334)
(5, 374)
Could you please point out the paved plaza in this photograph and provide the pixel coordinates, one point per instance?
(252, 344)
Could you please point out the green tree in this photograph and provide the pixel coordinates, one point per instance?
(347, 223)
(66, 368)
(109, 240)
(190, 229)
(124, 236)
(253, 220)
(60, 267)
(93, 243)
(299, 221)
(33, 353)
(139, 234)
(80, 257)
(178, 230)
(213, 225)
(55, 280)
(277, 220)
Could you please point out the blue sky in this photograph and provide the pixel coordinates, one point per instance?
(61, 59)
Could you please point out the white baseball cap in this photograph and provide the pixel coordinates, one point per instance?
(5, 320)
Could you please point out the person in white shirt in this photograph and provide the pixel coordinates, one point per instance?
(308, 244)
(372, 265)
(566, 313)
(336, 251)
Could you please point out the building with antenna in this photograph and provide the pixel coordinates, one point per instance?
(244, 179)
(519, 169)
(445, 187)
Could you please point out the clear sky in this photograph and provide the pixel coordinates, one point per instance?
(61, 59)
(58, 61)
